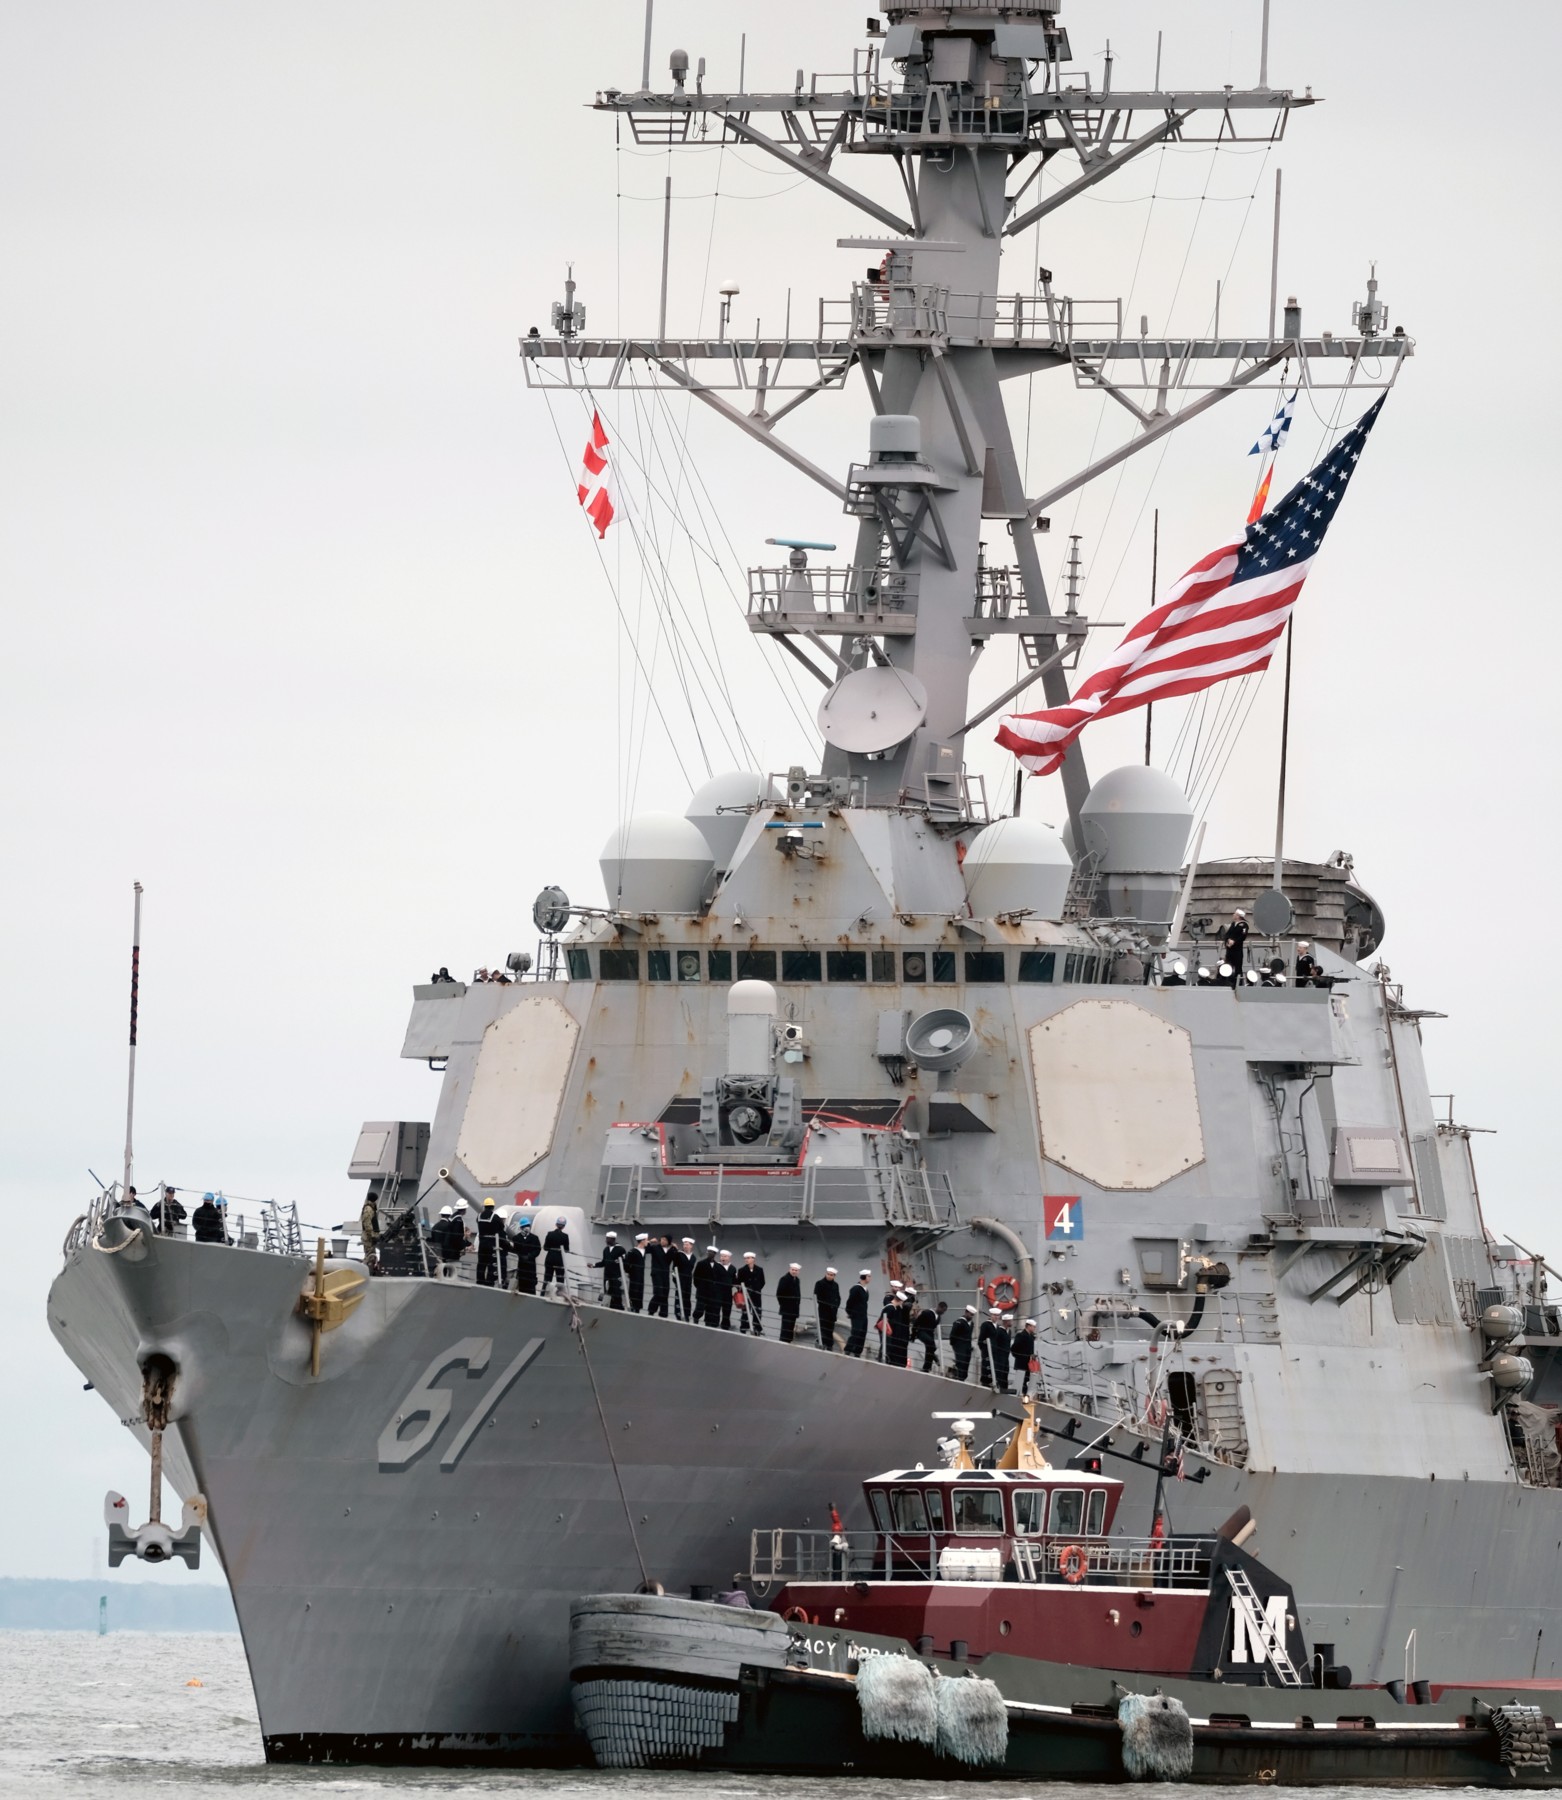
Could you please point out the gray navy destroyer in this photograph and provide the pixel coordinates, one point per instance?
(845, 1014)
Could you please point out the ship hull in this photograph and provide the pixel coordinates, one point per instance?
(403, 1535)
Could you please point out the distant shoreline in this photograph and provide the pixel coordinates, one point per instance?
(43, 1604)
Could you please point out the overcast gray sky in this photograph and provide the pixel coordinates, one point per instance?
(305, 631)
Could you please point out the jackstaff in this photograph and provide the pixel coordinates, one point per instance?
(135, 998)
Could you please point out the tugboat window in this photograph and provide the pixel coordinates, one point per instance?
(915, 965)
(1030, 1511)
(719, 963)
(658, 965)
(978, 1512)
(579, 965)
(688, 965)
(799, 965)
(1038, 965)
(1095, 1517)
(943, 965)
(1068, 1512)
(883, 965)
(846, 965)
(879, 1501)
(935, 1507)
(619, 965)
(984, 965)
(756, 965)
(910, 1515)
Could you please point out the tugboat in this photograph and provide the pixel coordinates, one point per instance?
(998, 1621)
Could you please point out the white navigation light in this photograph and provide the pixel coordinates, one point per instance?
(871, 710)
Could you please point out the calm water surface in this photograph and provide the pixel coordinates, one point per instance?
(83, 1716)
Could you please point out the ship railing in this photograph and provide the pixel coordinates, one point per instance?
(1047, 1561)
(736, 1195)
(852, 599)
(907, 312)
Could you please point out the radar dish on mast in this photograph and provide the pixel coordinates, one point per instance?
(550, 910)
(874, 709)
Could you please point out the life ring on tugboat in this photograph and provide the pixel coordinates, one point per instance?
(1073, 1564)
(794, 1615)
(1003, 1285)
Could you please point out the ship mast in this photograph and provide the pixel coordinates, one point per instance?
(969, 102)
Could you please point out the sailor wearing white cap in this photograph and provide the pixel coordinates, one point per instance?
(634, 1271)
(682, 1260)
(751, 1284)
(857, 1298)
(827, 1297)
(1233, 947)
(1308, 968)
(708, 1284)
(789, 1300)
(960, 1341)
(729, 1286)
(612, 1267)
(994, 1340)
(897, 1328)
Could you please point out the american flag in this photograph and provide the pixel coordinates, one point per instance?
(595, 487)
(1223, 618)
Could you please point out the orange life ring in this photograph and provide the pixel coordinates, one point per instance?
(794, 1615)
(1073, 1564)
(1004, 1284)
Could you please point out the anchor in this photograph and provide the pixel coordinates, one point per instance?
(329, 1296)
(154, 1541)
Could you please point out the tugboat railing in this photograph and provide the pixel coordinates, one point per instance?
(785, 1555)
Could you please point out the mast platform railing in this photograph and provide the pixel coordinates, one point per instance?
(831, 600)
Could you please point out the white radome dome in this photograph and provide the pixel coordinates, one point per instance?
(1139, 817)
(1017, 865)
(656, 862)
(723, 830)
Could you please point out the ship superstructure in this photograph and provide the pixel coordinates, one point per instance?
(848, 1016)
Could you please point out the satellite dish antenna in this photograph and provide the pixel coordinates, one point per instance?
(871, 710)
(1273, 914)
(550, 911)
(940, 1040)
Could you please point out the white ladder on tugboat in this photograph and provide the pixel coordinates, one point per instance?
(1258, 1631)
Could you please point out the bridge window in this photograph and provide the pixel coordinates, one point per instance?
(719, 964)
(846, 965)
(1038, 965)
(1030, 1511)
(658, 965)
(935, 1507)
(914, 963)
(943, 965)
(799, 965)
(579, 965)
(879, 1501)
(1068, 1512)
(756, 965)
(908, 1511)
(978, 1512)
(688, 965)
(984, 965)
(883, 965)
(619, 965)
(1095, 1513)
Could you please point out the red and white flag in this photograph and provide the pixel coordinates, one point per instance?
(1223, 618)
(595, 487)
